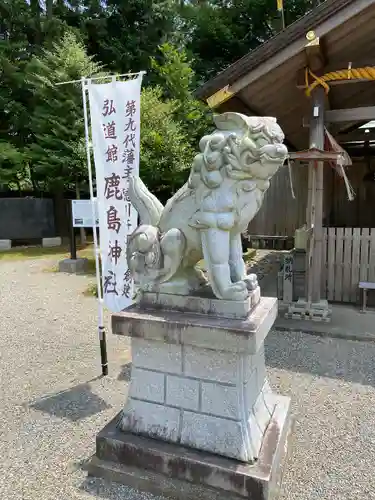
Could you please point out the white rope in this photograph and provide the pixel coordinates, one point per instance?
(349, 188)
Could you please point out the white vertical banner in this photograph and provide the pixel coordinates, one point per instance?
(115, 126)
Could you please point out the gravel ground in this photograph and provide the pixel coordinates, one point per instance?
(332, 386)
(53, 401)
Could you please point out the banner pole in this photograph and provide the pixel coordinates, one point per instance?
(72, 234)
(101, 329)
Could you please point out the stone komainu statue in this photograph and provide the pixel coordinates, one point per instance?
(205, 218)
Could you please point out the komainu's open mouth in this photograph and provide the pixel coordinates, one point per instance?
(274, 152)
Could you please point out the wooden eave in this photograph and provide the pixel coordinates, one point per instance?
(314, 154)
(264, 82)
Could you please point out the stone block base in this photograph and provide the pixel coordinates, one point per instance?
(5, 245)
(182, 473)
(73, 266)
(219, 418)
(199, 380)
(51, 242)
(315, 312)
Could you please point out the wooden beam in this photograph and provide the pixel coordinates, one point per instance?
(297, 47)
(236, 105)
(357, 135)
(336, 129)
(316, 173)
(315, 58)
(344, 64)
(366, 113)
(360, 152)
(219, 97)
(314, 155)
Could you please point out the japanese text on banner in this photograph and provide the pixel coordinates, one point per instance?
(115, 124)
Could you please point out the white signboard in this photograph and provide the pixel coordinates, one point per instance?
(115, 123)
(82, 213)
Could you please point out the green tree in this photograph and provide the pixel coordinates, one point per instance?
(174, 71)
(176, 77)
(15, 99)
(58, 151)
(12, 167)
(166, 151)
(179, 43)
(122, 34)
(24, 28)
(33, 22)
(219, 32)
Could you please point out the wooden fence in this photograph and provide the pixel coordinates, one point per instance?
(280, 214)
(349, 256)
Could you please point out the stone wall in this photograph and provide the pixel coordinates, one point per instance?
(26, 218)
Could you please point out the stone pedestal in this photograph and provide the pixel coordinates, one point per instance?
(73, 266)
(199, 383)
(52, 242)
(5, 245)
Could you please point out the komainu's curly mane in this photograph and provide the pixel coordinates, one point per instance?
(227, 153)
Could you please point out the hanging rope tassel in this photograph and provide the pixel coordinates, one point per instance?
(343, 161)
(349, 188)
(291, 178)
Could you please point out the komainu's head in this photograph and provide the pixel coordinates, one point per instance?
(242, 147)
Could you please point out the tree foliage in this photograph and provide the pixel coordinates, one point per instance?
(179, 43)
(220, 32)
(57, 153)
(15, 105)
(175, 75)
(166, 152)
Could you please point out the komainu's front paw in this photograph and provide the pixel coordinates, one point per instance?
(251, 281)
(236, 291)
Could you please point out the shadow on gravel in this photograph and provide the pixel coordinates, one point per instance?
(74, 404)
(352, 361)
(125, 373)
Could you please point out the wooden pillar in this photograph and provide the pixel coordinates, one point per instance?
(317, 174)
(310, 221)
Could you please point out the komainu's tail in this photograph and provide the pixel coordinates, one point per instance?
(147, 205)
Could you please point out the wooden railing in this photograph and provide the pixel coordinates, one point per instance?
(260, 241)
